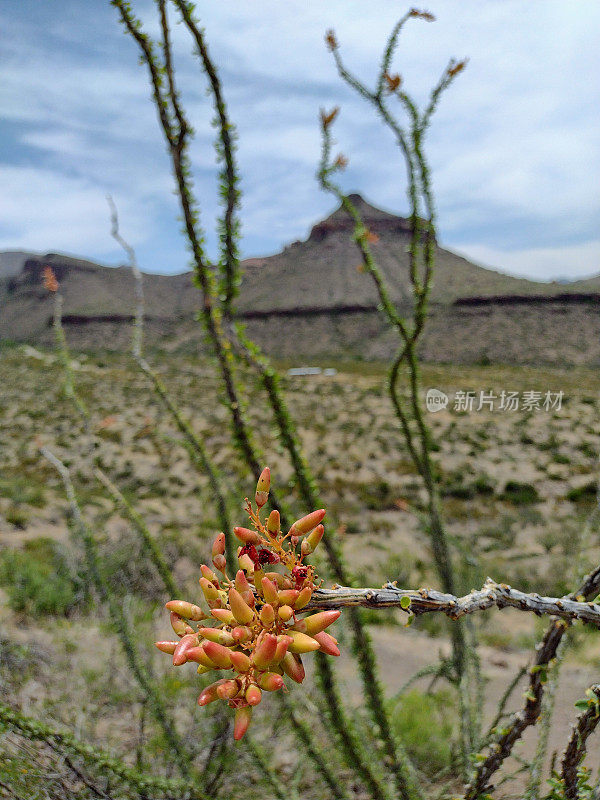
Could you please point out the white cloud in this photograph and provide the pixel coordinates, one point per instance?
(44, 210)
(541, 263)
(513, 145)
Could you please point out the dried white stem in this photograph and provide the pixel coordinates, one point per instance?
(423, 601)
(138, 323)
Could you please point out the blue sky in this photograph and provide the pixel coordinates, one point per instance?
(514, 146)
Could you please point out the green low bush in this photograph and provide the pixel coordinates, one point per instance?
(38, 579)
(424, 723)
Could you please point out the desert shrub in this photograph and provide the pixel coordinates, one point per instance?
(38, 579)
(583, 494)
(520, 493)
(424, 721)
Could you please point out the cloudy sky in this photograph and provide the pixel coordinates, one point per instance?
(514, 146)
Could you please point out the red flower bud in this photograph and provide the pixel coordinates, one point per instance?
(179, 625)
(239, 607)
(267, 615)
(270, 681)
(185, 610)
(292, 666)
(269, 591)
(327, 643)
(217, 653)
(265, 652)
(288, 596)
(247, 536)
(241, 633)
(317, 622)
(209, 574)
(285, 613)
(308, 523)
(179, 654)
(218, 548)
(303, 597)
(228, 690)
(253, 695)
(273, 523)
(240, 661)
(223, 615)
(167, 647)
(243, 717)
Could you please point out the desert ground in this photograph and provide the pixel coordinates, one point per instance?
(518, 488)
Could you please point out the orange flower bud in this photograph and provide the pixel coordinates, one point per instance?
(269, 591)
(317, 622)
(228, 689)
(209, 574)
(198, 655)
(327, 643)
(247, 536)
(218, 654)
(223, 615)
(208, 695)
(315, 537)
(209, 591)
(262, 487)
(302, 643)
(283, 642)
(243, 717)
(239, 607)
(240, 661)
(292, 666)
(270, 681)
(167, 647)
(327, 118)
(241, 582)
(49, 279)
(308, 523)
(330, 40)
(285, 613)
(278, 580)
(265, 651)
(220, 562)
(218, 548)
(186, 610)
(186, 643)
(179, 625)
(253, 695)
(246, 563)
(258, 576)
(273, 523)
(241, 634)
(217, 635)
(304, 597)
(267, 615)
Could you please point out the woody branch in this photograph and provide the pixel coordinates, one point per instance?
(423, 601)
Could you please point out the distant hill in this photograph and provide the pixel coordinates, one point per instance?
(313, 300)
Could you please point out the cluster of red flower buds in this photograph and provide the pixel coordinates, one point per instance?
(254, 629)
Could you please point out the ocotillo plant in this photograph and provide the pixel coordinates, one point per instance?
(255, 596)
(257, 633)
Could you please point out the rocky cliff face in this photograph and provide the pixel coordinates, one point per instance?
(312, 298)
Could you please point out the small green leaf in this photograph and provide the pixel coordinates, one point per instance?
(405, 602)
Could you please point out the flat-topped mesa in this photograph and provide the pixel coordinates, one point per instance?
(376, 220)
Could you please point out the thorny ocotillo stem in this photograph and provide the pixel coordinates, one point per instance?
(31, 729)
(181, 753)
(546, 650)
(193, 440)
(210, 314)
